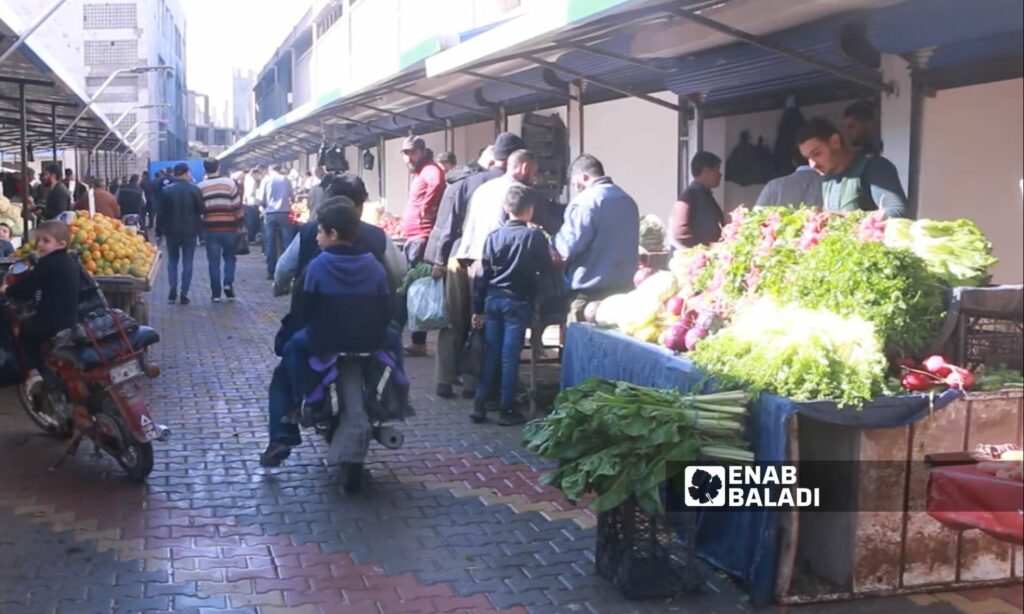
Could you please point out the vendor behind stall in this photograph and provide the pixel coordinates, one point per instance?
(600, 239)
(697, 218)
(104, 201)
(854, 181)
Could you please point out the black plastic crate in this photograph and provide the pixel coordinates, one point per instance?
(990, 341)
(647, 556)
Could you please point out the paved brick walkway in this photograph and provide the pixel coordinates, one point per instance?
(455, 521)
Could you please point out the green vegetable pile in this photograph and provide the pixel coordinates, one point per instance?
(419, 271)
(620, 440)
(888, 287)
(956, 251)
(798, 353)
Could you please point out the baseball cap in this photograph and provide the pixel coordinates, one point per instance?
(413, 142)
(506, 144)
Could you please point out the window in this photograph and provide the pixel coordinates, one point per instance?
(328, 19)
(109, 96)
(111, 53)
(109, 16)
(123, 81)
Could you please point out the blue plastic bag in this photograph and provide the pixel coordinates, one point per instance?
(426, 305)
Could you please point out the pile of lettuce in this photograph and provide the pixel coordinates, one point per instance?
(800, 353)
(956, 251)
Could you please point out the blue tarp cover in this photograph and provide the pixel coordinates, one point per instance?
(741, 542)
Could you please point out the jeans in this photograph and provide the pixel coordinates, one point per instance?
(180, 250)
(281, 404)
(504, 334)
(252, 222)
(221, 245)
(277, 236)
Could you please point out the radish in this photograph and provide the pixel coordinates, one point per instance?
(675, 305)
(937, 365)
(694, 336)
(917, 381)
(642, 274)
(690, 317)
(676, 336)
(960, 378)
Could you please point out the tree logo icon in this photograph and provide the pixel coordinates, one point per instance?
(705, 486)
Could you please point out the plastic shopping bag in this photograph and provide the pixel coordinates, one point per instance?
(426, 305)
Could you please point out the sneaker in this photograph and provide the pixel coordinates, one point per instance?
(215, 298)
(33, 383)
(511, 417)
(229, 293)
(173, 296)
(445, 391)
(414, 350)
(274, 455)
(479, 414)
(184, 300)
(353, 476)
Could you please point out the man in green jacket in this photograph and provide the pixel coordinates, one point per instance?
(858, 181)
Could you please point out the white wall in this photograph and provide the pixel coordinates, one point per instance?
(722, 134)
(971, 165)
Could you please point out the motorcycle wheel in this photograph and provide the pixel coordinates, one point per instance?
(41, 411)
(135, 458)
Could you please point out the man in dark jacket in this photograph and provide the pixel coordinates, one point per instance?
(58, 199)
(131, 198)
(179, 220)
(697, 219)
(443, 242)
(152, 191)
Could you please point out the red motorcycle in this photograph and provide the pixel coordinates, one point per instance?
(91, 389)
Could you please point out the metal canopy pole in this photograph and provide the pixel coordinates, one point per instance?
(602, 83)
(381, 167)
(757, 41)
(574, 117)
(53, 126)
(525, 86)
(24, 159)
(500, 120)
(403, 116)
(27, 33)
(683, 147)
(468, 109)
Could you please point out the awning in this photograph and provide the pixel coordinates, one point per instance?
(818, 50)
(51, 95)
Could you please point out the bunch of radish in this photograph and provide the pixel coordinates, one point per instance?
(933, 372)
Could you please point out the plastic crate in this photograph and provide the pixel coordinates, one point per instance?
(647, 556)
(989, 341)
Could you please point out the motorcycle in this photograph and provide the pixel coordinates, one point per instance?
(91, 390)
(385, 398)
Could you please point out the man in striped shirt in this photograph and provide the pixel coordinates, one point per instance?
(222, 222)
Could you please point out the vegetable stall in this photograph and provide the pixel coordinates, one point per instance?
(844, 329)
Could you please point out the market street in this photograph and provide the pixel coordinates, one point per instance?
(452, 522)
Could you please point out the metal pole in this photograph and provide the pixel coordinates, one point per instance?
(27, 33)
(53, 129)
(683, 147)
(23, 124)
(381, 165)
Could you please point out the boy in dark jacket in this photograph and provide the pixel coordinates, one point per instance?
(345, 307)
(504, 292)
(55, 282)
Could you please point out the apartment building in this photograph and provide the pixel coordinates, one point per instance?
(93, 39)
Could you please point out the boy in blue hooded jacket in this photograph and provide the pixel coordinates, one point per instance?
(345, 308)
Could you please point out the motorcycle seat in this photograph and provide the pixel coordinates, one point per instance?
(86, 357)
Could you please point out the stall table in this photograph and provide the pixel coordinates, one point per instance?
(887, 543)
(125, 293)
(963, 498)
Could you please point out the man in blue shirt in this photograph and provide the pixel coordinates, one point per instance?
(854, 181)
(600, 239)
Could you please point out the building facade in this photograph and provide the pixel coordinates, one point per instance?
(243, 113)
(92, 39)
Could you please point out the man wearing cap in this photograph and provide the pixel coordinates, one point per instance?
(426, 186)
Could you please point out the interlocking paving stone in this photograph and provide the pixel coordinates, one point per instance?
(454, 521)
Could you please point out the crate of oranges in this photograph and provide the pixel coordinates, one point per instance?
(109, 251)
